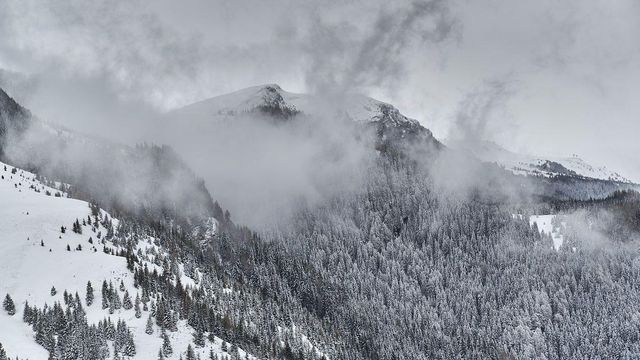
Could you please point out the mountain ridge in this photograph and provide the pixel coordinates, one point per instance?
(542, 166)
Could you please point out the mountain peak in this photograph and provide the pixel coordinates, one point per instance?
(268, 99)
(272, 100)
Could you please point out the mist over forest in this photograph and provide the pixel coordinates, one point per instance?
(277, 180)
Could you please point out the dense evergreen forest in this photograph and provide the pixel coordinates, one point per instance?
(399, 270)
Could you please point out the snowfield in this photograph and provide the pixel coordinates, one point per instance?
(34, 257)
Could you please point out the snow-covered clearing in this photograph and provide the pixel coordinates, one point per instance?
(546, 226)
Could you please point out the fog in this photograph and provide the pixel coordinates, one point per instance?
(262, 168)
(544, 78)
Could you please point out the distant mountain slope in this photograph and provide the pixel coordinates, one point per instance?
(549, 167)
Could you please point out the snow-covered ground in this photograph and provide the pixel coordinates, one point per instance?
(34, 257)
(546, 226)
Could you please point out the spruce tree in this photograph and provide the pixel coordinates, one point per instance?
(3, 354)
(126, 302)
(115, 300)
(9, 306)
(198, 336)
(130, 346)
(136, 306)
(166, 344)
(149, 329)
(190, 354)
(105, 295)
(89, 298)
(27, 314)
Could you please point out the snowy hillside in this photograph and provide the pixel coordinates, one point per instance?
(521, 164)
(36, 256)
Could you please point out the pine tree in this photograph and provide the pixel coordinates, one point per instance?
(9, 306)
(3, 354)
(89, 298)
(149, 328)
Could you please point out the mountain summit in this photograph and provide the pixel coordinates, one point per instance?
(272, 101)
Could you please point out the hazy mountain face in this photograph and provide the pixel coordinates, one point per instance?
(146, 180)
(264, 151)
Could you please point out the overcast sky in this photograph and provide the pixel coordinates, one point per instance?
(544, 77)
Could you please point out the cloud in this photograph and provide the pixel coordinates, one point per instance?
(343, 58)
(117, 41)
(476, 119)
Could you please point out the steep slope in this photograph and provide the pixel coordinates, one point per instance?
(13, 118)
(148, 181)
(35, 255)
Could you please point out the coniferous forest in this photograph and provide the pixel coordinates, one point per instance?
(151, 210)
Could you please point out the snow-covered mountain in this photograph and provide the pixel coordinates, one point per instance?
(550, 167)
(271, 100)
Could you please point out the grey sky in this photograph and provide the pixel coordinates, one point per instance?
(569, 71)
